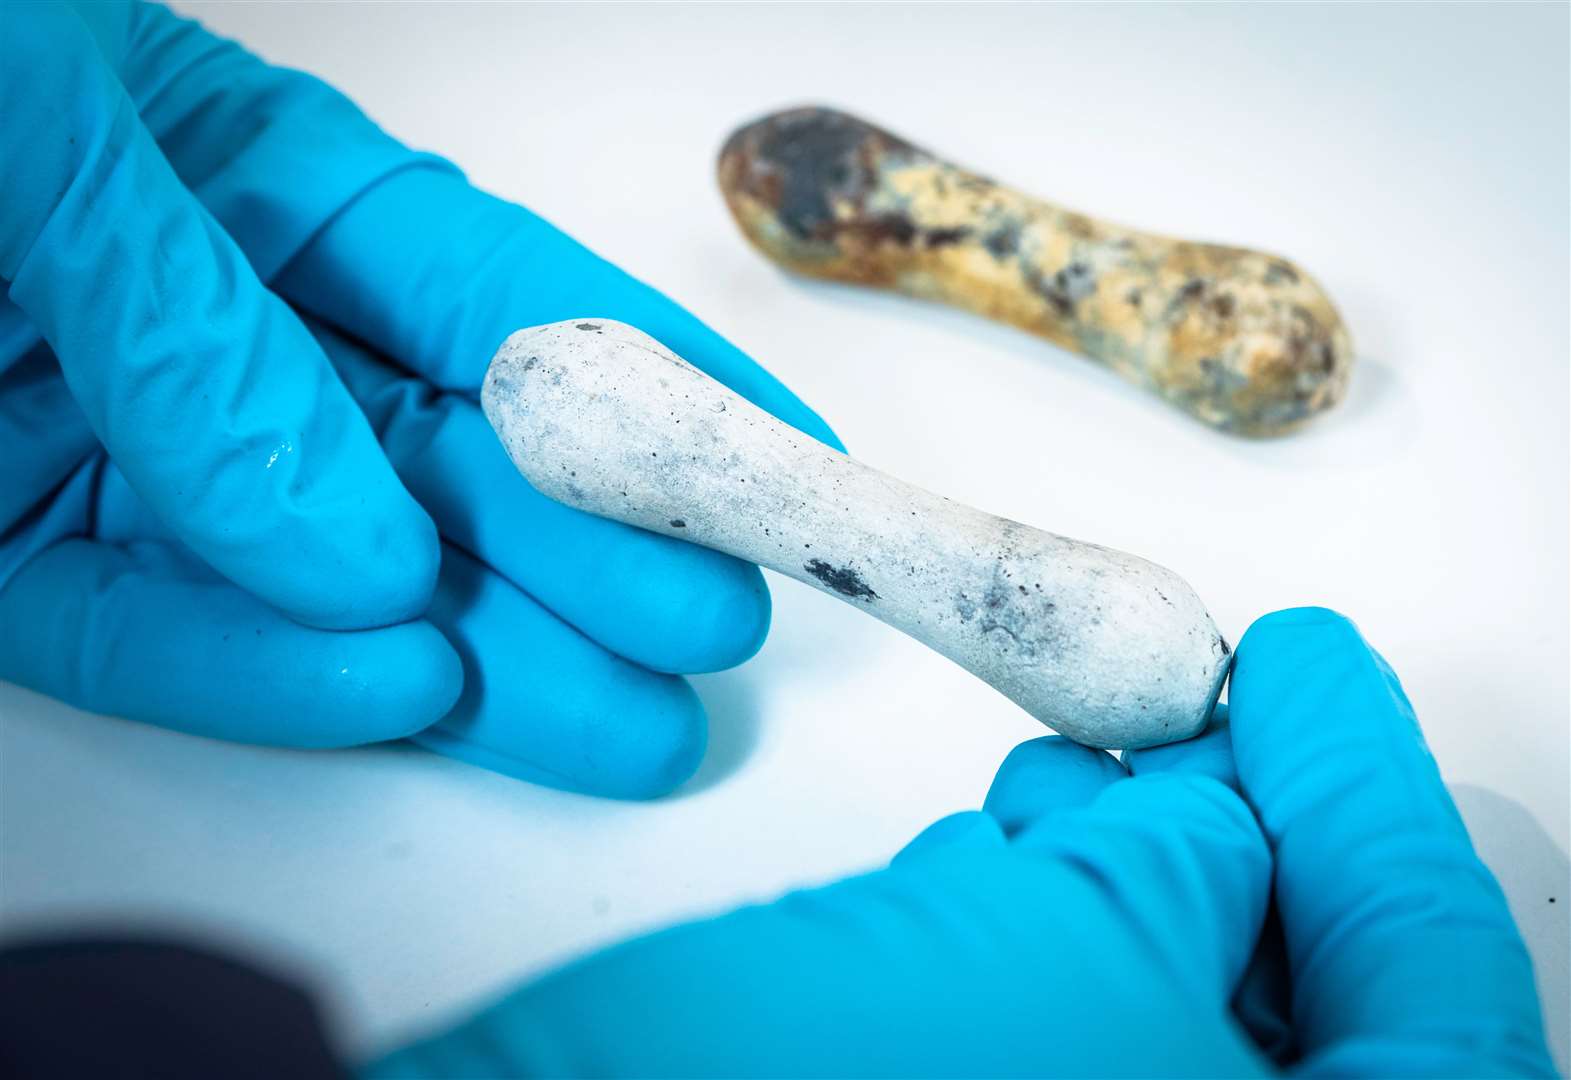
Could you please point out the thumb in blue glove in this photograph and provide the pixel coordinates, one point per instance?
(1091, 920)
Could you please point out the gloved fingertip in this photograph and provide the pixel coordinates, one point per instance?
(821, 431)
(670, 760)
(1291, 619)
(649, 762)
(720, 359)
(384, 577)
(968, 828)
(772, 395)
(795, 412)
(705, 612)
(662, 734)
(706, 349)
(368, 686)
(1048, 774)
(546, 704)
(424, 686)
(1208, 754)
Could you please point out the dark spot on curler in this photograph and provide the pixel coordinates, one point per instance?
(891, 227)
(1003, 241)
(842, 579)
(1278, 272)
(937, 238)
(1067, 287)
(810, 157)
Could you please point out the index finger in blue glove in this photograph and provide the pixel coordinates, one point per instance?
(212, 398)
(1403, 953)
(436, 274)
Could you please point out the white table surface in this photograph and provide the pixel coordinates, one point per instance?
(1414, 159)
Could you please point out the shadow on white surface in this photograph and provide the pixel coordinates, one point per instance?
(1536, 878)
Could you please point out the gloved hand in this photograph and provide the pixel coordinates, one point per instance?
(198, 527)
(1098, 918)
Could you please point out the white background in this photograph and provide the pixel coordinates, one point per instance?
(1414, 159)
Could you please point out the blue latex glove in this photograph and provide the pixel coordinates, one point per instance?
(198, 527)
(1098, 918)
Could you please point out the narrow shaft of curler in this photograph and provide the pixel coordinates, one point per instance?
(1104, 647)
